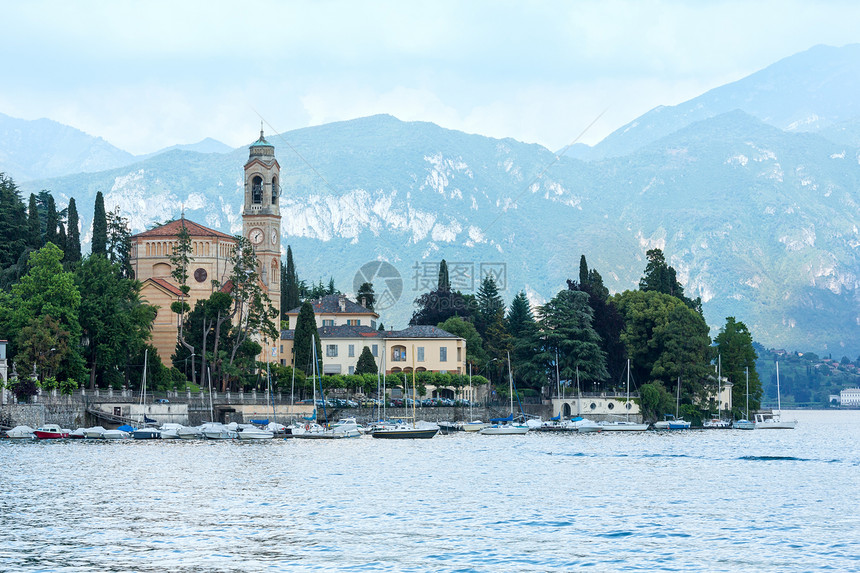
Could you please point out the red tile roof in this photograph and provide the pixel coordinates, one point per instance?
(168, 286)
(172, 228)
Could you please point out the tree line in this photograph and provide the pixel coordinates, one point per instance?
(584, 337)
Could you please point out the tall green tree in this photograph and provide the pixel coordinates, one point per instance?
(663, 342)
(489, 304)
(116, 322)
(660, 277)
(519, 315)
(119, 242)
(306, 329)
(73, 235)
(444, 283)
(289, 285)
(565, 334)
(13, 223)
(47, 290)
(34, 224)
(607, 321)
(100, 228)
(52, 220)
(366, 362)
(737, 357)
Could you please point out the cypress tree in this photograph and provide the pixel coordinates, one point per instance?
(290, 284)
(444, 281)
(306, 327)
(99, 245)
(73, 235)
(51, 222)
(583, 271)
(366, 363)
(34, 226)
(61, 238)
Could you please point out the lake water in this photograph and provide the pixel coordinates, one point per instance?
(722, 500)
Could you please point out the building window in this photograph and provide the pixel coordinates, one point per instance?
(420, 357)
(398, 354)
(443, 354)
(331, 350)
(353, 322)
(459, 354)
(375, 350)
(352, 352)
(257, 190)
(373, 324)
(352, 369)
(275, 190)
(328, 322)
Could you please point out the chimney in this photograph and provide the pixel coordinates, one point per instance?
(342, 302)
(363, 302)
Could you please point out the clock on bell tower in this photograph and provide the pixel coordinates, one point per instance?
(261, 216)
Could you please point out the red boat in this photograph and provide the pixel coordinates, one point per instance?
(50, 432)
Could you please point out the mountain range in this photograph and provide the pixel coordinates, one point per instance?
(751, 190)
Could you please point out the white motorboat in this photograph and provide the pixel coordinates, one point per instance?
(170, 431)
(189, 432)
(406, 431)
(114, 435)
(349, 426)
(250, 432)
(78, 434)
(743, 425)
(218, 431)
(21, 433)
(94, 433)
(474, 426)
(672, 423)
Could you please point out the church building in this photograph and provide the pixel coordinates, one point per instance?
(211, 250)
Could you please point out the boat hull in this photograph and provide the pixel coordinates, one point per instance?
(624, 427)
(504, 430)
(406, 434)
(743, 425)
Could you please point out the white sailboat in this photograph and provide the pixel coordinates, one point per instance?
(506, 426)
(625, 425)
(403, 430)
(773, 420)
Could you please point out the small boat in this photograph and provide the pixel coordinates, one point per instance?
(146, 434)
(672, 423)
(218, 431)
(420, 430)
(251, 432)
(21, 433)
(506, 426)
(449, 427)
(349, 426)
(115, 434)
(624, 425)
(474, 426)
(170, 431)
(716, 423)
(189, 432)
(78, 434)
(94, 433)
(50, 432)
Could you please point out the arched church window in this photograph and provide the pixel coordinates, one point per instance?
(257, 190)
(275, 190)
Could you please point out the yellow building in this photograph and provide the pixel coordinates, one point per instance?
(211, 250)
(346, 327)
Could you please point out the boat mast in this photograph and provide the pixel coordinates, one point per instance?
(778, 401)
(719, 381)
(678, 399)
(211, 408)
(578, 395)
(557, 376)
(271, 394)
(511, 381)
(471, 398)
(414, 395)
(747, 371)
(143, 393)
(628, 392)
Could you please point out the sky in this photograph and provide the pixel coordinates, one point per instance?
(147, 75)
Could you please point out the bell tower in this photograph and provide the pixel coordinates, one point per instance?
(261, 215)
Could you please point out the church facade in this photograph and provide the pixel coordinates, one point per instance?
(212, 250)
